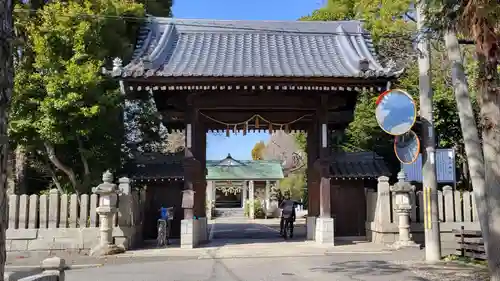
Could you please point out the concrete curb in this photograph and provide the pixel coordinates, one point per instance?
(211, 255)
(69, 267)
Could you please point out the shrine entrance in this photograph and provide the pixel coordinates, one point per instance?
(233, 183)
(211, 75)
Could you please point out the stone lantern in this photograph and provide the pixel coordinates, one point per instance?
(108, 194)
(402, 190)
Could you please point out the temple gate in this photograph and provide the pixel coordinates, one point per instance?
(208, 75)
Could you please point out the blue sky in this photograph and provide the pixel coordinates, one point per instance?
(239, 146)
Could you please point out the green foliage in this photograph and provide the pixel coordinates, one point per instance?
(301, 140)
(466, 260)
(258, 151)
(158, 8)
(61, 100)
(257, 207)
(392, 28)
(295, 184)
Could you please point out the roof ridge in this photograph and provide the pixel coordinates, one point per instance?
(173, 19)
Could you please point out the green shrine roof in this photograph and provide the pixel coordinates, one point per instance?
(231, 169)
(158, 166)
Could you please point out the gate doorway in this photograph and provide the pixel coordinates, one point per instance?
(242, 76)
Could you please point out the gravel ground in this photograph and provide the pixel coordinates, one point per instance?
(447, 271)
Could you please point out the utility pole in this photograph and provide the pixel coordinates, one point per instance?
(431, 215)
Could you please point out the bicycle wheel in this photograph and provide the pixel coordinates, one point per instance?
(160, 240)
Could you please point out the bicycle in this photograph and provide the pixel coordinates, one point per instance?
(163, 226)
(161, 238)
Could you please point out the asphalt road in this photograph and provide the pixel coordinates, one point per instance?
(358, 267)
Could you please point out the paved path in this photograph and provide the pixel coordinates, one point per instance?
(333, 267)
(248, 250)
(231, 228)
(243, 230)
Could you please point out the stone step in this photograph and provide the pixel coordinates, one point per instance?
(230, 212)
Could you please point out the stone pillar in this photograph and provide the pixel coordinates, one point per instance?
(266, 199)
(54, 266)
(107, 192)
(403, 207)
(210, 199)
(251, 198)
(244, 194)
(126, 211)
(382, 216)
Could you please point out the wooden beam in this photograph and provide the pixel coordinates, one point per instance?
(295, 127)
(222, 129)
(278, 81)
(233, 117)
(269, 100)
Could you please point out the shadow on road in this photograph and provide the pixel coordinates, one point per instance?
(357, 269)
(232, 233)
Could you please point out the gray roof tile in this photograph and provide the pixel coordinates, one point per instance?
(150, 166)
(358, 165)
(206, 48)
(155, 166)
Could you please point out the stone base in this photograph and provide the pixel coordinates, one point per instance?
(311, 228)
(187, 235)
(324, 231)
(106, 250)
(193, 232)
(202, 225)
(404, 244)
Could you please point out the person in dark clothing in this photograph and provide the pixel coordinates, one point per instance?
(287, 207)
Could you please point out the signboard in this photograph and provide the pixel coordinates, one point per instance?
(445, 167)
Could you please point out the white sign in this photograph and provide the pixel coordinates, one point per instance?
(445, 167)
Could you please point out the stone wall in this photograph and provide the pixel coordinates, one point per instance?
(67, 222)
(52, 269)
(456, 208)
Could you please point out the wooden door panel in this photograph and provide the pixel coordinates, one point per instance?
(348, 204)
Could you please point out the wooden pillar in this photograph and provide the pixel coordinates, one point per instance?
(322, 164)
(200, 183)
(312, 174)
(191, 165)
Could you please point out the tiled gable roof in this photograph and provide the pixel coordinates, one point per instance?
(360, 165)
(170, 47)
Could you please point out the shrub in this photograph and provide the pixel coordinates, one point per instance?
(258, 209)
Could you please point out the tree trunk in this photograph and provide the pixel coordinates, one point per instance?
(6, 84)
(11, 182)
(51, 153)
(20, 169)
(489, 101)
(86, 169)
(470, 133)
